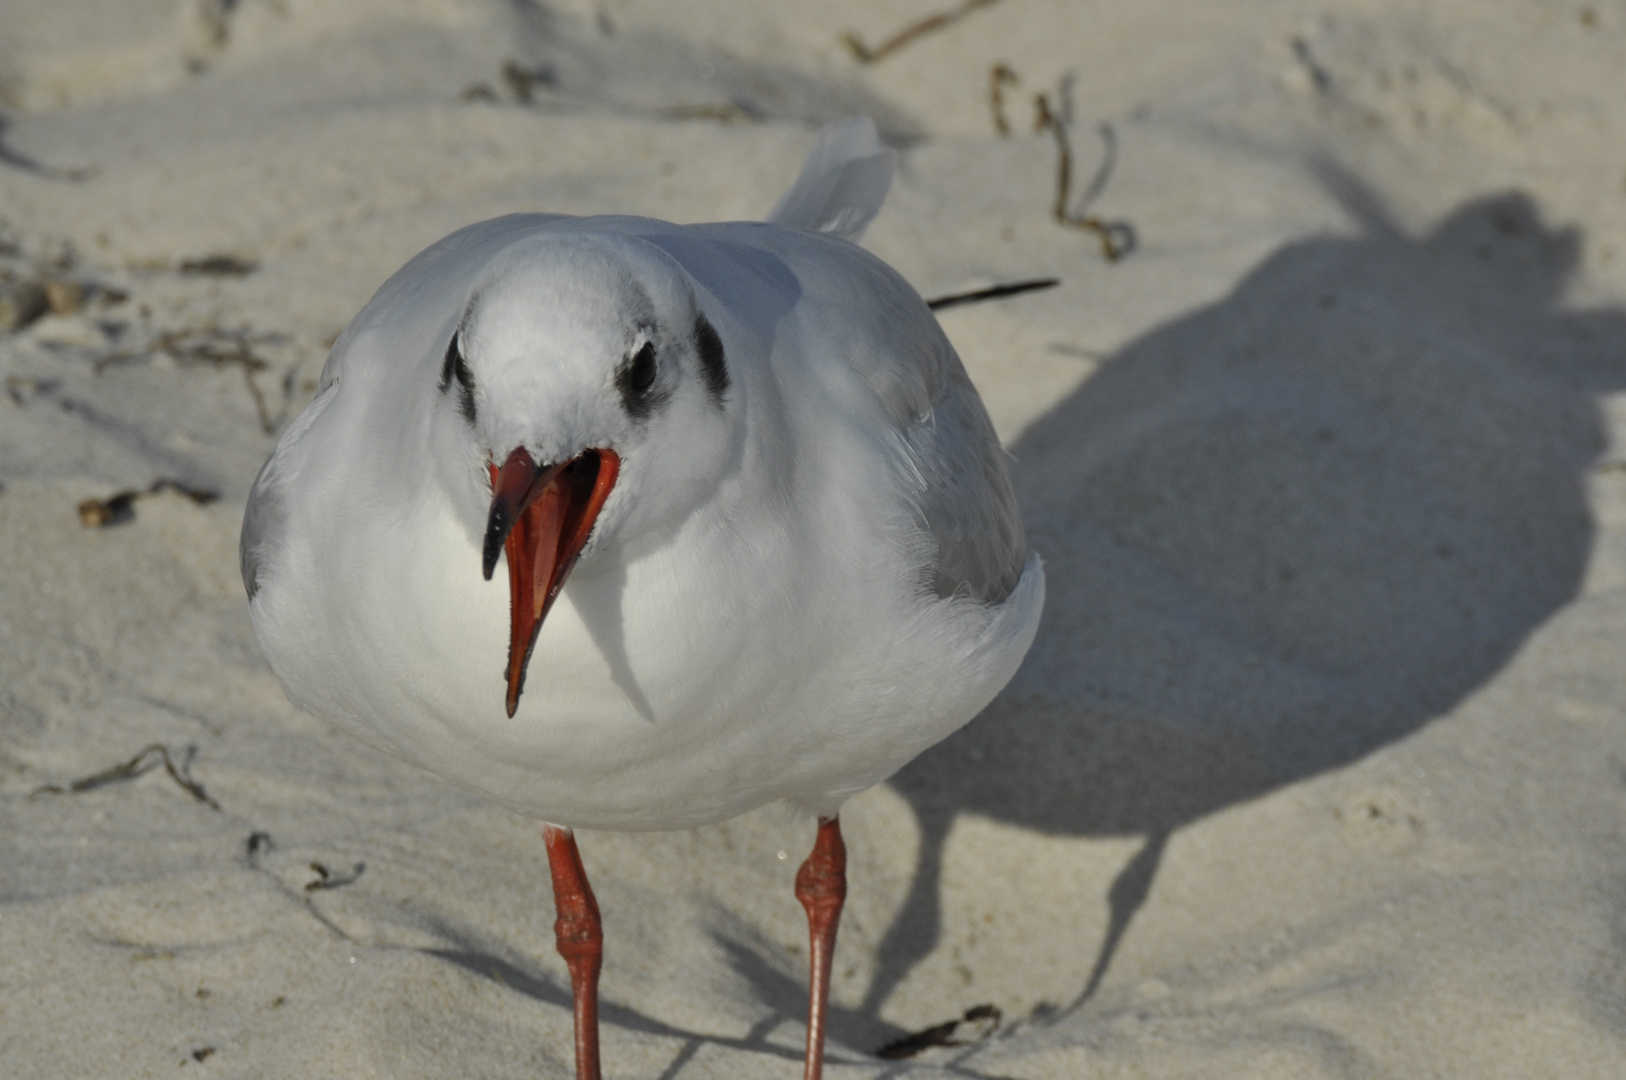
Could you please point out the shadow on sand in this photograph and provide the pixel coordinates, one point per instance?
(1281, 533)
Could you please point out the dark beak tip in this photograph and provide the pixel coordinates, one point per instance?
(488, 557)
(498, 526)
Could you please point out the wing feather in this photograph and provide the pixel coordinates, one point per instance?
(842, 184)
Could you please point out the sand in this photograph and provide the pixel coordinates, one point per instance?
(1317, 768)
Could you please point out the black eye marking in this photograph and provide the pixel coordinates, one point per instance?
(636, 381)
(712, 365)
(641, 375)
(455, 367)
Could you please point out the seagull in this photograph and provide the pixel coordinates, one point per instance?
(760, 540)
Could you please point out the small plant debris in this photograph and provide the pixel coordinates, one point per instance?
(218, 265)
(1117, 238)
(63, 296)
(21, 302)
(999, 77)
(993, 292)
(522, 81)
(986, 1019)
(326, 879)
(930, 24)
(148, 759)
(119, 508)
(23, 389)
(256, 843)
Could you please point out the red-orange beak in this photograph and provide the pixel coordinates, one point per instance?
(541, 519)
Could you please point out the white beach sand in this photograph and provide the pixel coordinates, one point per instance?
(1318, 767)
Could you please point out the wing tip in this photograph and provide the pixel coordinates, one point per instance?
(843, 182)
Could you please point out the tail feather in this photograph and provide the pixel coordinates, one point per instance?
(843, 182)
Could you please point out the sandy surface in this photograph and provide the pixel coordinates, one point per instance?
(1318, 767)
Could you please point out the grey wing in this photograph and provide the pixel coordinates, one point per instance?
(262, 521)
(866, 316)
(265, 517)
(964, 494)
(966, 498)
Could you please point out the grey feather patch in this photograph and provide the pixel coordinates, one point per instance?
(968, 503)
(265, 519)
(261, 519)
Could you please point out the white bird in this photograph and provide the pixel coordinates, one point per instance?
(760, 538)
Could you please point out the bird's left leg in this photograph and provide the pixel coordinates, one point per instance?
(580, 937)
(821, 886)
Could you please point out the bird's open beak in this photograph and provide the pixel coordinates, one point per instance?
(541, 518)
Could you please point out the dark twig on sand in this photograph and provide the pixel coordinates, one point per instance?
(147, 760)
(930, 24)
(993, 292)
(119, 508)
(1117, 238)
(326, 879)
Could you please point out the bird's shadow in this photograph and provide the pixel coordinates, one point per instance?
(1282, 532)
(496, 962)
(758, 966)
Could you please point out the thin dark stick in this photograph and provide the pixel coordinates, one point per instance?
(930, 23)
(993, 292)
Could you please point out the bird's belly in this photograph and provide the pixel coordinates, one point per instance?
(654, 698)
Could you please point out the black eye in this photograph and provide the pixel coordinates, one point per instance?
(635, 378)
(641, 373)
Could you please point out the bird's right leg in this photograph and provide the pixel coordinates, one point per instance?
(580, 936)
(821, 886)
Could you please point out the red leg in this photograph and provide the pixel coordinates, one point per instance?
(821, 886)
(580, 936)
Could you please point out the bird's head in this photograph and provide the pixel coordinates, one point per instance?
(595, 391)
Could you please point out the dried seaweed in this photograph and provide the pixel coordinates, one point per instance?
(1118, 238)
(148, 759)
(219, 347)
(119, 508)
(326, 879)
(930, 24)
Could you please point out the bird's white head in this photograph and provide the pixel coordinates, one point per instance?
(596, 392)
